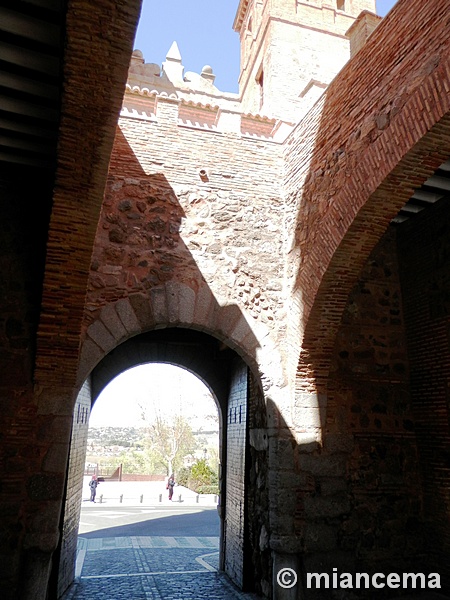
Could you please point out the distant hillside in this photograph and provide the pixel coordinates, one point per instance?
(115, 436)
(129, 436)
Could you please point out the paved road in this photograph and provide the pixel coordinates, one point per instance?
(150, 553)
(159, 552)
(115, 521)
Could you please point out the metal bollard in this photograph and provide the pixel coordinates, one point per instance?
(142, 498)
(179, 498)
(101, 498)
(121, 498)
(197, 498)
(160, 497)
(215, 499)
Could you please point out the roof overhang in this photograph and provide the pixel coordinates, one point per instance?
(240, 14)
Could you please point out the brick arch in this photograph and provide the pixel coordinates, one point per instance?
(364, 164)
(88, 135)
(97, 46)
(178, 305)
(354, 246)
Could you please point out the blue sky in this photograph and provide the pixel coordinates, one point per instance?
(205, 36)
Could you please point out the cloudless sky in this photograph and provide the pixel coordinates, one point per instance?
(162, 390)
(203, 30)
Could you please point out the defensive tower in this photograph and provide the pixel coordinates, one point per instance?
(291, 50)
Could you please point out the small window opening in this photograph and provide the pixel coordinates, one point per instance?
(260, 81)
(341, 4)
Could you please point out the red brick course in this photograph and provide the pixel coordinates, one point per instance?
(379, 132)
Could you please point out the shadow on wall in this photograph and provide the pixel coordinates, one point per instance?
(144, 278)
(350, 511)
(140, 261)
(359, 494)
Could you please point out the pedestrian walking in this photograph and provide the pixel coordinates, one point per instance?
(170, 486)
(93, 487)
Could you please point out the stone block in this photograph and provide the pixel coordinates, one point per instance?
(281, 453)
(204, 308)
(319, 537)
(259, 439)
(142, 308)
(56, 458)
(173, 302)
(307, 442)
(281, 512)
(101, 336)
(127, 315)
(310, 400)
(230, 321)
(112, 322)
(320, 507)
(90, 356)
(291, 482)
(187, 300)
(159, 306)
(308, 418)
(55, 401)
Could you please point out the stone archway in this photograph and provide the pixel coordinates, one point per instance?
(225, 374)
(237, 360)
(176, 304)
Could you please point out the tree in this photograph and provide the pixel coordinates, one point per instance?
(200, 478)
(171, 442)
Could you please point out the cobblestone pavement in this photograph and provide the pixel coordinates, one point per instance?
(151, 568)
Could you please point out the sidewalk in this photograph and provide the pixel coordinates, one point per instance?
(145, 493)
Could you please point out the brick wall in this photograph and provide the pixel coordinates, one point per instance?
(348, 172)
(39, 364)
(24, 214)
(75, 472)
(424, 248)
(361, 29)
(357, 496)
(258, 571)
(370, 420)
(235, 509)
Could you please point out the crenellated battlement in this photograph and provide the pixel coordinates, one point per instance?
(290, 52)
(171, 78)
(199, 103)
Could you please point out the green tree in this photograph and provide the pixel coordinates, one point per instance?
(201, 478)
(170, 442)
